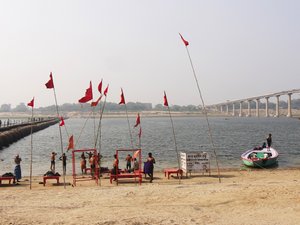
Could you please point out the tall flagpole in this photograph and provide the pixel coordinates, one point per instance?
(140, 138)
(124, 102)
(203, 105)
(129, 126)
(99, 134)
(31, 146)
(61, 143)
(175, 142)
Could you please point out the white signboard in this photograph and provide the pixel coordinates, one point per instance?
(194, 162)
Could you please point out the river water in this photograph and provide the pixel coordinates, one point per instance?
(231, 136)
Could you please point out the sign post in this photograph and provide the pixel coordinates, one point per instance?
(195, 162)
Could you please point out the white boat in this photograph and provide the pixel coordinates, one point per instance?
(260, 157)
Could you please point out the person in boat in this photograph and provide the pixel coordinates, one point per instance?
(64, 159)
(52, 165)
(151, 162)
(264, 145)
(83, 163)
(18, 173)
(269, 140)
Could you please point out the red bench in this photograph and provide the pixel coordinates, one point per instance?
(169, 171)
(8, 178)
(126, 175)
(50, 177)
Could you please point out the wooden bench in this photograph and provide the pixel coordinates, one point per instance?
(50, 177)
(126, 175)
(8, 178)
(169, 171)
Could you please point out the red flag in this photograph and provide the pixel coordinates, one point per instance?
(88, 95)
(71, 143)
(140, 132)
(62, 122)
(31, 103)
(186, 43)
(165, 100)
(106, 90)
(138, 120)
(93, 104)
(50, 83)
(100, 87)
(122, 98)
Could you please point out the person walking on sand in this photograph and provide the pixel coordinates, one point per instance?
(269, 140)
(18, 173)
(52, 165)
(115, 165)
(151, 162)
(64, 159)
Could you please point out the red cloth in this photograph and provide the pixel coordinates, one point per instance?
(186, 43)
(31, 103)
(165, 100)
(106, 90)
(100, 87)
(122, 98)
(88, 95)
(71, 143)
(62, 122)
(50, 83)
(93, 104)
(138, 120)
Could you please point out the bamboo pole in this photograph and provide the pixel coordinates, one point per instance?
(204, 110)
(60, 135)
(174, 136)
(31, 146)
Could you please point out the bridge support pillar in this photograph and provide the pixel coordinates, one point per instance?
(277, 106)
(233, 109)
(241, 109)
(221, 109)
(257, 107)
(249, 109)
(267, 106)
(227, 109)
(289, 112)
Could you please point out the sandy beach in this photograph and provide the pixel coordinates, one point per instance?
(243, 197)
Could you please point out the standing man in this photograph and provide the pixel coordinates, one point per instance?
(151, 162)
(269, 140)
(64, 159)
(18, 173)
(52, 166)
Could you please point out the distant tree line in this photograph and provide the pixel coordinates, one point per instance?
(131, 106)
(109, 107)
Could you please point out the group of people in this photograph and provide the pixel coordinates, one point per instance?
(52, 162)
(136, 166)
(93, 161)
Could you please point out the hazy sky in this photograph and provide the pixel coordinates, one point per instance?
(239, 49)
